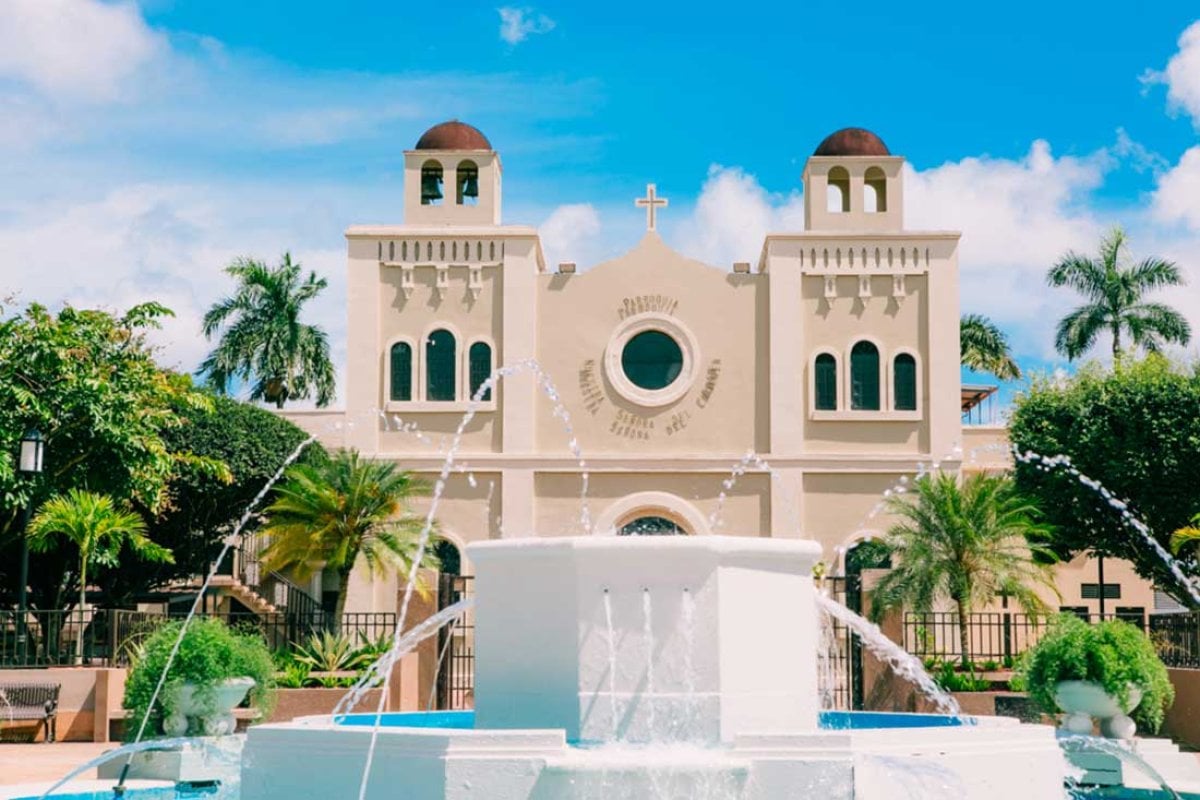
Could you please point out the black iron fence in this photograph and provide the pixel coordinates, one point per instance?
(454, 687)
(113, 637)
(1177, 638)
(1000, 636)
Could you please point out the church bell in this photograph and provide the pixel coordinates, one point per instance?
(431, 186)
(471, 185)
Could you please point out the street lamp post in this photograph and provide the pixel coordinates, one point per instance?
(29, 465)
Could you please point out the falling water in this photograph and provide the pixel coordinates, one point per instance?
(560, 412)
(752, 459)
(1077, 743)
(827, 653)
(375, 674)
(1063, 462)
(900, 660)
(129, 750)
(648, 635)
(230, 541)
(612, 664)
(688, 613)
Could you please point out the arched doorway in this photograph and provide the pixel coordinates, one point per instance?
(651, 524)
(651, 514)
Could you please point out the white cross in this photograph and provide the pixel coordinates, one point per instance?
(651, 203)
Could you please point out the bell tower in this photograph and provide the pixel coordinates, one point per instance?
(853, 183)
(452, 177)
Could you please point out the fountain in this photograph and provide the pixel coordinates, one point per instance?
(642, 668)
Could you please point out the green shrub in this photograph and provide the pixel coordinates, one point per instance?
(953, 680)
(990, 665)
(1113, 654)
(209, 654)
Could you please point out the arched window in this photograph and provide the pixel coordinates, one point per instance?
(864, 377)
(441, 366)
(400, 362)
(651, 525)
(875, 191)
(467, 183)
(904, 382)
(825, 382)
(431, 183)
(479, 367)
(838, 198)
(448, 557)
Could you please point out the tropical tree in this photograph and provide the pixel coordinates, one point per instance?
(329, 515)
(1187, 535)
(984, 348)
(94, 524)
(251, 441)
(1115, 290)
(88, 381)
(262, 340)
(1132, 428)
(964, 543)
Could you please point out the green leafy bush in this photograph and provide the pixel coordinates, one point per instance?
(209, 654)
(1113, 654)
(953, 680)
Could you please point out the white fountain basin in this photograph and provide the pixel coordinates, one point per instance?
(656, 667)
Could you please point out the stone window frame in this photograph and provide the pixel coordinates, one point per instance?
(663, 323)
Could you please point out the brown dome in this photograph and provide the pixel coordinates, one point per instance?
(852, 142)
(453, 135)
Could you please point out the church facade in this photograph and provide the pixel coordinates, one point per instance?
(653, 393)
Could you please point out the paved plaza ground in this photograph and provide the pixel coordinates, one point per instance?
(32, 763)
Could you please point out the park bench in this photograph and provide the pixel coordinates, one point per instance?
(21, 702)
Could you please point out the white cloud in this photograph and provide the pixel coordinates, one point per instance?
(82, 50)
(1182, 75)
(518, 24)
(732, 215)
(570, 233)
(1177, 198)
(167, 243)
(1017, 216)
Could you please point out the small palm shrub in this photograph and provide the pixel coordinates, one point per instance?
(210, 653)
(1114, 654)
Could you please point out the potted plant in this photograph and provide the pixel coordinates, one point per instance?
(1107, 671)
(214, 670)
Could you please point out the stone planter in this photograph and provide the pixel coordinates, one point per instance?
(1083, 701)
(214, 709)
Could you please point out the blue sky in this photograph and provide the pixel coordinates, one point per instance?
(144, 145)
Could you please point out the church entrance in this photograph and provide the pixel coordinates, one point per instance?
(651, 525)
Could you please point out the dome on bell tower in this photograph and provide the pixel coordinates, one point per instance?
(453, 135)
(852, 142)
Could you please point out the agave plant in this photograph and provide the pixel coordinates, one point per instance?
(329, 652)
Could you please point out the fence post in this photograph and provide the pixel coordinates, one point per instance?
(1007, 638)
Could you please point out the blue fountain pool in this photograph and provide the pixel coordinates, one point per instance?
(829, 720)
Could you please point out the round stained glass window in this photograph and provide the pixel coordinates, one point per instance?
(652, 360)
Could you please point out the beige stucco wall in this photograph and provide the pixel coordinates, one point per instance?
(751, 335)
(723, 411)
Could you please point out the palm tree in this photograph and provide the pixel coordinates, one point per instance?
(1114, 290)
(1189, 534)
(328, 515)
(265, 341)
(984, 348)
(98, 528)
(964, 543)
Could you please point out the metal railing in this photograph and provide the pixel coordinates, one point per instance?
(1176, 637)
(1000, 636)
(112, 637)
(273, 587)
